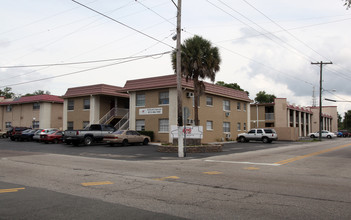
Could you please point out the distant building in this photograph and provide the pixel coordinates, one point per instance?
(101, 103)
(39, 111)
(291, 121)
(223, 112)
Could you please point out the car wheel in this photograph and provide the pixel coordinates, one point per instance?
(312, 136)
(125, 142)
(88, 140)
(55, 141)
(242, 139)
(329, 137)
(146, 141)
(265, 140)
(12, 138)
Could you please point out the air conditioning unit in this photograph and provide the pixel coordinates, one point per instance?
(189, 94)
(227, 114)
(228, 135)
(189, 121)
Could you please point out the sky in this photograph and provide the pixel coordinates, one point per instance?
(265, 45)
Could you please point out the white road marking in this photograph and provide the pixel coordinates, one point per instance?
(241, 162)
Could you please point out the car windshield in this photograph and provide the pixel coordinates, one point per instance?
(118, 132)
(51, 132)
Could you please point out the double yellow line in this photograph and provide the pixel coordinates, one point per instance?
(311, 154)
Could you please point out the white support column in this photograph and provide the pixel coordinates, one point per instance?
(294, 118)
(132, 110)
(248, 110)
(64, 116)
(288, 118)
(300, 123)
(304, 124)
(94, 116)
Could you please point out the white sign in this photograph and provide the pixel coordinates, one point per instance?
(150, 111)
(194, 132)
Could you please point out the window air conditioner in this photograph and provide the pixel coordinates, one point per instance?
(189, 94)
(227, 114)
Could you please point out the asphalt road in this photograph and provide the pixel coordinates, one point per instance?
(246, 181)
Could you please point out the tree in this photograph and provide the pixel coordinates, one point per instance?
(347, 120)
(263, 97)
(347, 3)
(199, 60)
(7, 93)
(231, 85)
(38, 92)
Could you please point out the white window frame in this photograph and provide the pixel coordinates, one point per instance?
(226, 127)
(238, 106)
(140, 100)
(140, 125)
(211, 100)
(163, 125)
(70, 105)
(8, 108)
(226, 105)
(84, 104)
(238, 126)
(163, 98)
(36, 106)
(209, 125)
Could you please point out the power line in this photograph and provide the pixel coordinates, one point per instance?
(82, 62)
(81, 71)
(127, 26)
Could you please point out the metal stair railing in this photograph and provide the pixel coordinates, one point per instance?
(123, 124)
(114, 112)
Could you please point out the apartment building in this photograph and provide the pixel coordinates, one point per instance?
(292, 121)
(40, 111)
(223, 112)
(101, 103)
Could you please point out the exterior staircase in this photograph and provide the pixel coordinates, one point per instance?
(123, 123)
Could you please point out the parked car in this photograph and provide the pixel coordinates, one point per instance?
(37, 134)
(266, 135)
(339, 134)
(325, 134)
(52, 136)
(15, 132)
(126, 137)
(27, 135)
(89, 135)
(3, 134)
(345, 133)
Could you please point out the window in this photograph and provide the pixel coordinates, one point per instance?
(226, 126)
(35, 124)
(226, 105)
(36, 106)
(8, 124)
(70, 125)
(70, 105)
(9, 108)
(163, 125)
(140, 100)
(85, 124)
(244, 107)
(209, 125)
(244, 126)
(140, 125)
(238, 106)
(86, 104)
(209, 101)
(163, 98)
(239, 126)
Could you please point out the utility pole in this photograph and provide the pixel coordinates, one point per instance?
(320, 95)
(179, 83)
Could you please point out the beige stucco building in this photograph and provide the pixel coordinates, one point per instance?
(101, 103)
(291, 121)
(223, 112)
(40, 111)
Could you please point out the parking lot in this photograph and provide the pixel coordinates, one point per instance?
(131, 152)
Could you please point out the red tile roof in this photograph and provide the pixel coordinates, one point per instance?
(99, 89)
(170, 81)
(35, 98)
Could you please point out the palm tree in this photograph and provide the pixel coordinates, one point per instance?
(199, 60)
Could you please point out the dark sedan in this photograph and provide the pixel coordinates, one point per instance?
(27, 135)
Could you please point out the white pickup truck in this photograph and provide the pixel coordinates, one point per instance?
(93, 133)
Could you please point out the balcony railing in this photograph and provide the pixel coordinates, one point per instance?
(269, 116)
